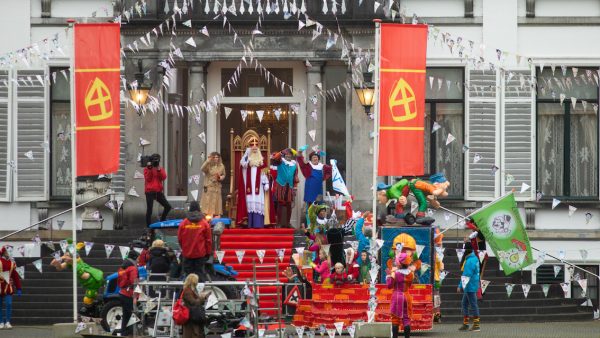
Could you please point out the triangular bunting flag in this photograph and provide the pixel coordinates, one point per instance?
(88, 247)
(194, 194)
(351, 330)
(443, 275)
(330, 332)
(21, 271)
(260, 114)
(450, 139)
(220, 255)
(565, 287)
(484, 285)
(524, 187)
(108, 248)
(464, 280)
(572, 210)
(545, 288)
(583, 284)
(420, 249)
(424, 268)
(460, 253)
(38, 264)
(436, 126)
(261, 255)
(124, 251)
(339, 326)
(555, 203)
(526, 288)
(227, 110)
(240, 255)
(557, 269)
(280, 254)
(509, 288)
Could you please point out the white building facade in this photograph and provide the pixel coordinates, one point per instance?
(515, 81)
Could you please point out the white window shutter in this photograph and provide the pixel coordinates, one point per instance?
(30, 128)
(518, 134)
(482, 136)
(5, 169)
(118, 178)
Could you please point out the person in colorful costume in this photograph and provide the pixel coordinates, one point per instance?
(424, 192)
(400, 278)
(90, 278)
(284, 187)
(363, 235)
(438, 267)
(315, 173)
(8, 268)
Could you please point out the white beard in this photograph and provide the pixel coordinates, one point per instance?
(255, 159)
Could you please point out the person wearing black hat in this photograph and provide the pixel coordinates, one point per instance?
(126, 280)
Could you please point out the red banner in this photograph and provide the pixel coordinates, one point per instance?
(402, 64)
(97, 96)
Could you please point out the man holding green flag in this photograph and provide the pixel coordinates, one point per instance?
(502, 226)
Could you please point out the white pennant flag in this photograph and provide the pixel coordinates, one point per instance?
(584, 254)
(351, 330)
(464, 280)
(300, 250)
(420, 249)
(133, 320)
(330, 332)
(526, 288)
(240, 255)
(337, 180)
(280, 254)
(509, 288)
(38, 264)
(313, 134)
(339, 326)
(424, 268)
(194, 194)
(261, 255)
(555, 203)
(583, 284)
(220, 255)
(29, 155)
(562, 254)
(436, 126)
(108, 248)
(204, 31)
(21, 271)
(476, 158)
(524, 187)
(133, 192)
(187, 23)
(244, 114)
(545, 288)
(138, 175)
(481, 255)
(450, 139)
(565, 288)
(557, 269)
(380, 243)
(63, 245)
(484, 285)
(202, 136)
(260, 114)
(88, 247)
(228, 109)
(80, 327)
(443, 275)
(261, 332)
(572, 210)
(460, 253)
(541, 258)
(190, 41)
(124, 251)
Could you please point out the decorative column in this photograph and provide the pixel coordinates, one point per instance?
(197, 149)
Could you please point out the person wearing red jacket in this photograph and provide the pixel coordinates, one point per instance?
(126, 280)
(154, 175)
(195, 239)
(8, 269)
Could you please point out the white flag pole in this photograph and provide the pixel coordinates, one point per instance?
(376, 121)
(73, 170)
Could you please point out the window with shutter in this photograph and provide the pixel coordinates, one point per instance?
(30, 132)
(518, 134)
(4, 136)
(482, 137)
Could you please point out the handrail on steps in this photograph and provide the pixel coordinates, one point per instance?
(51, 217)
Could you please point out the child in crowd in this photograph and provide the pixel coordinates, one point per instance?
(470, 272)
(339, 276)
(364, 267)
(352, 268)
(323, 269)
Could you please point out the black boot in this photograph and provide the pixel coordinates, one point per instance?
(407, 332)
(395, 331)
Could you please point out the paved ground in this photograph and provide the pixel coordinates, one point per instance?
(589, 329)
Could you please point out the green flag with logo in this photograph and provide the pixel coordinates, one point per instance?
(504, 231)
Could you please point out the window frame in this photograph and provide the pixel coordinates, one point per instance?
(432, 136)
(567, 132)
(51, 139)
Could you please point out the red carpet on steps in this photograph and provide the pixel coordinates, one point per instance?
(251, 240)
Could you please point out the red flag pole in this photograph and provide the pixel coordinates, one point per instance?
(73, 171)
(376, 121)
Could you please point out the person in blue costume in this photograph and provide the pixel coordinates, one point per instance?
(315, 173)
(284, 187)
(363, 235)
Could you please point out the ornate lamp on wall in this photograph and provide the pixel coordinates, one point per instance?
(366, 92)
(139, 90)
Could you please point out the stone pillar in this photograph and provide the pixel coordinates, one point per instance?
(197, 148)
(315, 76)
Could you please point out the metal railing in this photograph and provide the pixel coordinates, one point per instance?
(53, 216)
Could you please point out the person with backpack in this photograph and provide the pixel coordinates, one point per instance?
(159, 261)
(195, 239)
(126, 280)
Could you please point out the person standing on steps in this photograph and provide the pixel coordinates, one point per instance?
(470, 275)
(315, 174)
(9, 281)
(284, 187)
(154, 176)
(214, 174)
